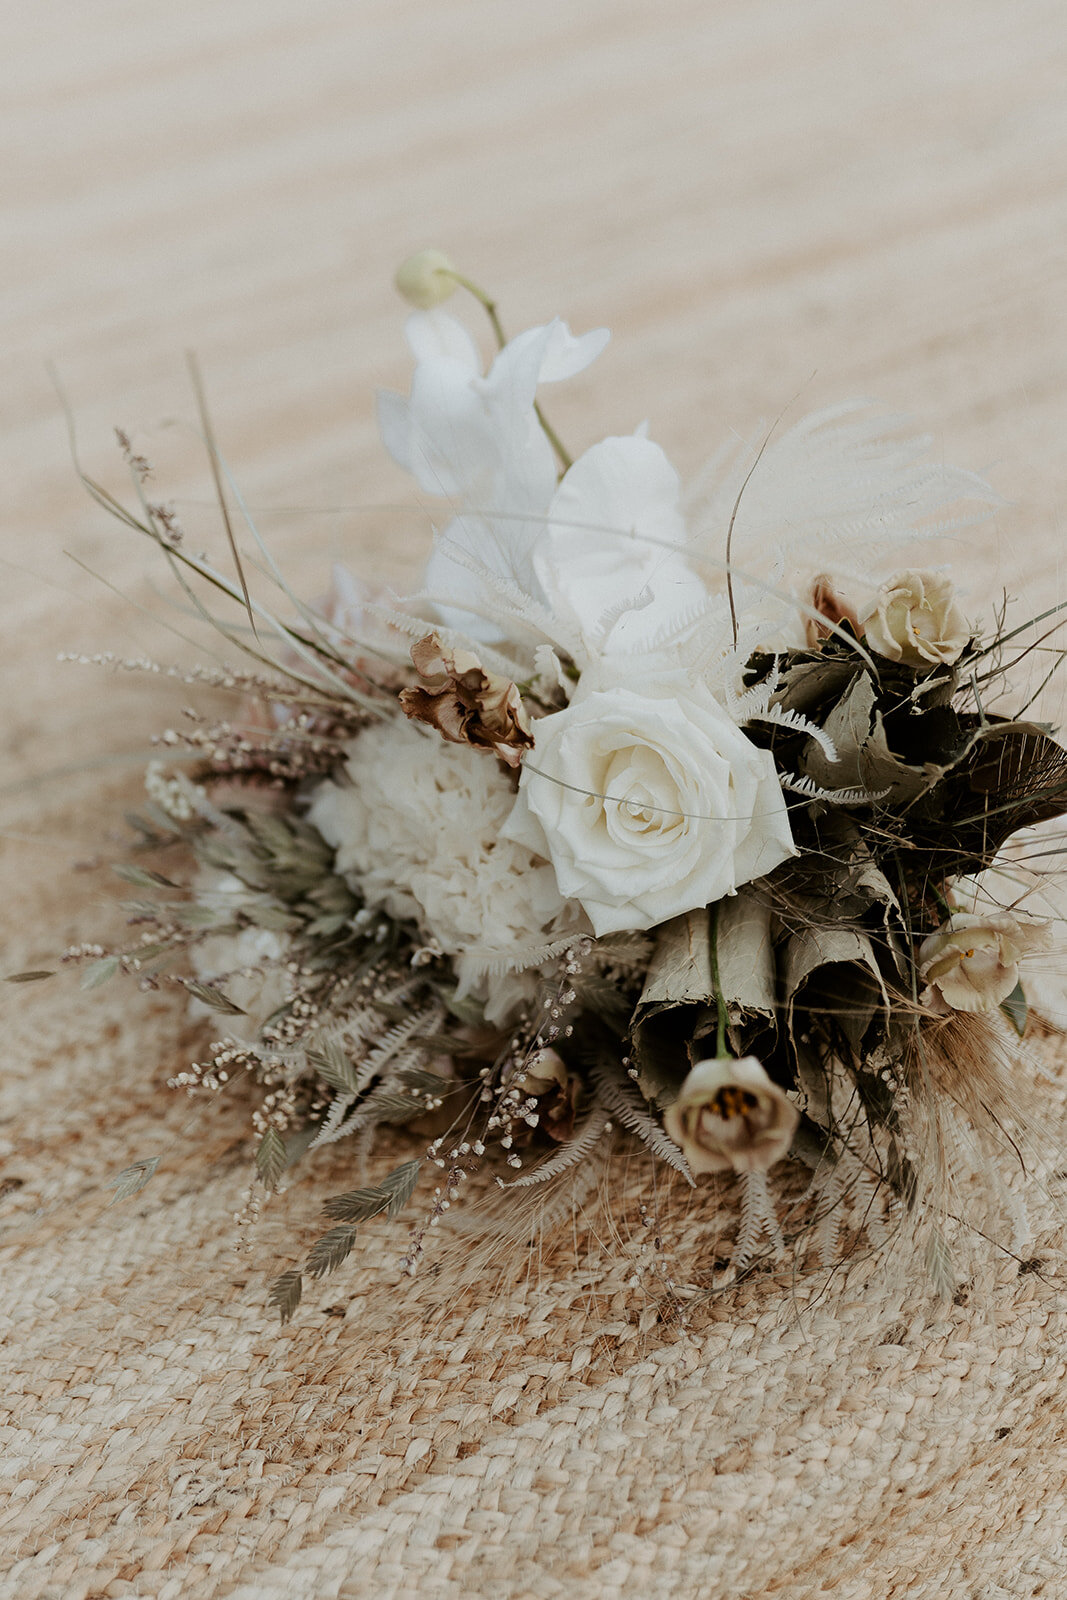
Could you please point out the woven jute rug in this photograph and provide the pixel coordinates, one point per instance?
(545, 1425)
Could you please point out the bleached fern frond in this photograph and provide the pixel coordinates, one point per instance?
(508, 591)
(758, 1220)
(570, 1154)
(782, 717)
(834, 797)
(333, 1122)
(626, 1105)
(751, 703)
(349, 1113)
(423, 1021)
(829, 1214)
(481, 961)
(622, 608)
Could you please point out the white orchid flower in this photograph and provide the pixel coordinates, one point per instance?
(473, 438)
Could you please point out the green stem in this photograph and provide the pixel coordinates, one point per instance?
(722, 1051)
(489, 306)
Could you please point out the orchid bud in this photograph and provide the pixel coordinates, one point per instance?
(426, 279)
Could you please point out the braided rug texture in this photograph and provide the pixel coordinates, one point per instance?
(537, 1433)
(764, 198)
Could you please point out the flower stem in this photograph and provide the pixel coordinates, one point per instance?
(488, 304)
(722, 1050)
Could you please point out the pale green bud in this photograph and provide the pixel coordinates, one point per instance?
(426, 279)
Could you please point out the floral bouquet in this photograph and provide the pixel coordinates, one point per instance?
(697, 826)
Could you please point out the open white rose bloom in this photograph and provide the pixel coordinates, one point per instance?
(693, 796)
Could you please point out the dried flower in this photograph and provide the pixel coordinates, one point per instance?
(915, 619)
(729, 1114)
(425, 279)
(972, 962)
(465, 703)
(831, 608)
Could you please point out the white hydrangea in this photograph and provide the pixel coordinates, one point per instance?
(417, 830)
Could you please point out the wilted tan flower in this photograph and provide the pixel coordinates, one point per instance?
(557, 1091)
(729, 1114)
(831, 608)
(465, 703)
(426, 279)
(972, 962)
(915, 619)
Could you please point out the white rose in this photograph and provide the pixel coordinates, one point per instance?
(648, 805)
(972, 962)
(729, 1114)
(915, 619)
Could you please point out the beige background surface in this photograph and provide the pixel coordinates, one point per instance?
(764, 200)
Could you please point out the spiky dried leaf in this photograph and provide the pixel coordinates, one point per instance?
(132, 1179)
(143, 877)
(100, 972)
(285, 1293)
(327, 1253)
(213, 998)
(271, 1158)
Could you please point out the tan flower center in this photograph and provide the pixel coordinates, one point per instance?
(731, 1101)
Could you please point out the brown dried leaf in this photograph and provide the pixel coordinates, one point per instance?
(466, 703)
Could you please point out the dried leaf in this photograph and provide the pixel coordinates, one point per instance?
(745, 955)
(332, 1064)
(213, 998)
(359, 1205)
(100, 972)
(285, 1293)
(34, 976)
(327, 1253)
(465, 702)
(143, 877)
(271, 1158)
(131, 1180)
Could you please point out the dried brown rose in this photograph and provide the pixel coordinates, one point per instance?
(466, 703)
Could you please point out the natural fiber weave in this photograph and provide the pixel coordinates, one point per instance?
(541, 1433)
(751, 193)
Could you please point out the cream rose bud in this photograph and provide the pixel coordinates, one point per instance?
(972, 962)
(915, 619)
(648, 805)
(729, 1115)
(426, 279)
